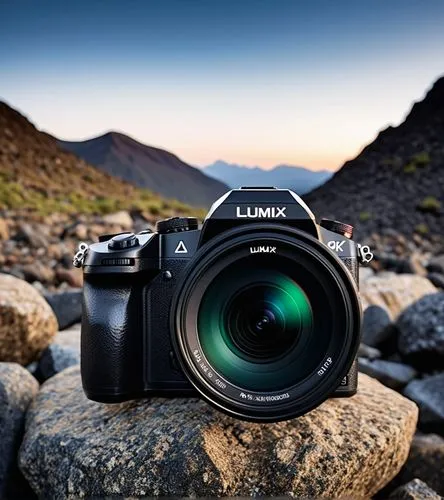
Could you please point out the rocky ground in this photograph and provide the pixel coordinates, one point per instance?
(51, 447)
(388, 440)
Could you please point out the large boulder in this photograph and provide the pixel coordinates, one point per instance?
(17, 389)
(27, 323)
(394, 292)
(183, 447)
(421, 332)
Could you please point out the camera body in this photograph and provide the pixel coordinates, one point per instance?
(134, 291)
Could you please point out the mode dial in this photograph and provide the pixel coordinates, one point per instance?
(338, 227)
(122, 241)
(177, 225)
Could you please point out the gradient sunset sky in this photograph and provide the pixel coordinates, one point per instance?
(251, 82)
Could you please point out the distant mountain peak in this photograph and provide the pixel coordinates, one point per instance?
(300, 179)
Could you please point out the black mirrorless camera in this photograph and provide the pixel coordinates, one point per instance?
(257, 312)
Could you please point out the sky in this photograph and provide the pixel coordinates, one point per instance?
(260, 82)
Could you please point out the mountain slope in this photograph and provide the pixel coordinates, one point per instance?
(36, 174)
(397, 181)
(148, 167)
(300, 179)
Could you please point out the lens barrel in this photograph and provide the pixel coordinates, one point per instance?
(266, 323)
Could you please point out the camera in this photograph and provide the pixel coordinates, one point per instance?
(257, 312)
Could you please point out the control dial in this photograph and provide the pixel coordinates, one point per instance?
(338, 227)
(122, 241)
(177, 225)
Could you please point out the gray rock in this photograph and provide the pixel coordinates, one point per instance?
(376, 327)
(365, 273)
(425, 461)
(415, 490)
(428, 393)
(436, 264)
(393, 375)
(32, 235)
(437, 279)
(69, 338)
(67, 307)
(421, 333)
(368, 352)
(17, 389)
(183, 447)
(55, 359)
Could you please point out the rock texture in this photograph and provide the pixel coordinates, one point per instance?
(55, 359)
(74, 447)
(27, 323)
(17, 389)
(425, 461)
(395, 292)
(428, 393)
(67, 307)
(415, 490)
(421, 332)
(391, 374)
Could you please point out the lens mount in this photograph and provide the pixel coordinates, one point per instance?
(265, 322)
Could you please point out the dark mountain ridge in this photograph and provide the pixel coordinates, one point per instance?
(397, 181)
(147, 167)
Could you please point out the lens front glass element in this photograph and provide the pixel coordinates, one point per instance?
(256, 323)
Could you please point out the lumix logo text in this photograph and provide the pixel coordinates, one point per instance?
(261, 212)
(263, 249)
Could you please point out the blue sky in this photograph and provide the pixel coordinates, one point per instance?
(252, 82)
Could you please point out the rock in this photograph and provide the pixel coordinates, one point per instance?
(425, 461)
(395, 292)
(421, 332)
(17, 389)
(27, 323)
(33, 236)
(183, 447)
(368, 352)
(69, 338)
(38, 272)
(436, 264)
(4, 230)
(393, 375)
(55, 359)
(73, 276)
(376, 326)
(122, 219)
(415, 490)
(428, 393)
(437, 279)
(67, 307)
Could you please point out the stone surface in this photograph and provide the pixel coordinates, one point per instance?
(394, 292)
(421, 332)
(27, 323)
(368, 352)
(436, 264)
(122, 219)
(376, 325)
(428, 393)
(425, 461)
(437, 279)
(393, 375)
(17, 389)
(67, 307)
(69, 338)
(183, 447)
(415, 490)
(54, 359)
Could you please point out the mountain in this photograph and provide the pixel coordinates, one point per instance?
(148, 167)
(36, 174)
(300, 179)
(397, 181)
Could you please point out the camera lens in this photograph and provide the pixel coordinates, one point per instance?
(266, 332)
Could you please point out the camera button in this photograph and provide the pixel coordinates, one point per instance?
(122, 241)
